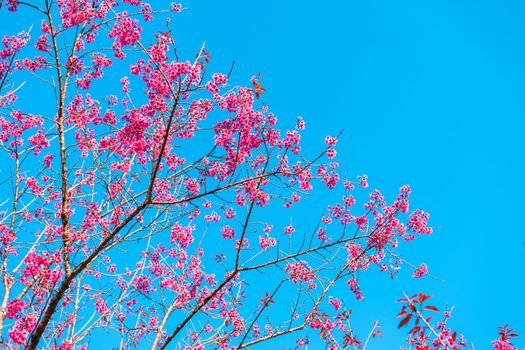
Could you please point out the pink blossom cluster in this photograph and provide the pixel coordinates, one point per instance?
(418, 222)
(266, 242)
(132, 177)
(300, 271)
(354, 288)
(125, 32)
(421, 271)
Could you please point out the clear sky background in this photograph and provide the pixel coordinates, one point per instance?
(429, 93)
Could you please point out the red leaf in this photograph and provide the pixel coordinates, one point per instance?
(423, 297)
(258, 88)
(415, 330)
(432, 308)
(404, 321)
(402, 312)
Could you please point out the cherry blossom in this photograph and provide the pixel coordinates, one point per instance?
(156, 201)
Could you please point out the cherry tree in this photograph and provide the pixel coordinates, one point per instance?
(151, 202)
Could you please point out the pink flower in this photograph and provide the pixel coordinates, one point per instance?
(330, 141)
(300, 271)
(100, 306)
(300, 123)
(363, 181)
(125, 32)
(182, 235)
(42, 44)
(176, 7)
(266, 242)
(418, 222)
(421, 271)
(228, 232)
(142, 284)
(14, 307)
(192, 186)
(336, 303)
(354, 287)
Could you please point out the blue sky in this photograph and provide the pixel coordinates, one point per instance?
(429, 93)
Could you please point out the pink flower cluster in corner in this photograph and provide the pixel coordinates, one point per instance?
(426, 334)
(504, 341)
